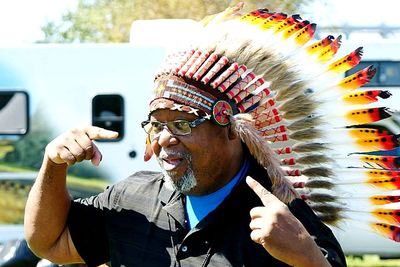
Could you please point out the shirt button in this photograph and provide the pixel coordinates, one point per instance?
(184, 248)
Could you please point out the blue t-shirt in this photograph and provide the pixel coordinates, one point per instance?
(197, 207)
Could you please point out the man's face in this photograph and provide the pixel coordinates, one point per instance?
(198, 163)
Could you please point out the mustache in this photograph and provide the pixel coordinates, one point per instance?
(169, 153)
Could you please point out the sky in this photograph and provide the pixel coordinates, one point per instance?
(20, 20)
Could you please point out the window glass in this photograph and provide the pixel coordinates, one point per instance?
(389, 74)
(108, 113)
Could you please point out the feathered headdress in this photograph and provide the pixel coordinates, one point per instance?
(291, 104)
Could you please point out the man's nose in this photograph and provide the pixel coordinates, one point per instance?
(166, 138)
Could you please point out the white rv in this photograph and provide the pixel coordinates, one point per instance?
(56, 87)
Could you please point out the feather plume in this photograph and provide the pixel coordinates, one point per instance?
(305, 123)
(314, 159)
(320, 197)
(290, 90)
(309, 147)
(332, 219)
(319, 184)
(318, 172)
(306, 135)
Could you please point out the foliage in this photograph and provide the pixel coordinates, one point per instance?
(28, 150)
(110, 21)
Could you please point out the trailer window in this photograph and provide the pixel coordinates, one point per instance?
(390, 73)
(14, 112)
(387, 73)
(108, 113)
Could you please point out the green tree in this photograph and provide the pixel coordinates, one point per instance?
(110, 20)
(29, 150)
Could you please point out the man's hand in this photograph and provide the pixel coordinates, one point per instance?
(48, 203)
(77, 145)
(280, 232)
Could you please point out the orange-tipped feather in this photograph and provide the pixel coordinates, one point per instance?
(386, 162)
(387, 215)
(346, 62)
(373, 174)
(385, 183)
(289, 31)
(272, 20)
(384, 199)
(318, 46)
(148, 153)
(361, 116)
(386, 142)
(328, 52)
(284, 24)
(358, 79)
(389, 231)
(249, 17)
(305, 34)
(367, 132)
(365, 97)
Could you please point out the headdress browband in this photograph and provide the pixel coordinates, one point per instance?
(214, 87)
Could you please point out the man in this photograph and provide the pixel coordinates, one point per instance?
(212, 204)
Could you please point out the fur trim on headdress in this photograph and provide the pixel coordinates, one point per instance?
(242, 125)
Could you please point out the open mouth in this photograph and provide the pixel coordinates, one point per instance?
(174, 161)
(171, 163)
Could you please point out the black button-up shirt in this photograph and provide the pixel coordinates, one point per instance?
(139, 222)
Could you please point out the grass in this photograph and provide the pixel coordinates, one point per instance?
(12, 202)
(96, 184)
(371, 261)
(8, 167)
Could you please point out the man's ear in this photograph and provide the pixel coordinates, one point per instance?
(231, 133)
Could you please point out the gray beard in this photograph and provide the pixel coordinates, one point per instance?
(183, 184)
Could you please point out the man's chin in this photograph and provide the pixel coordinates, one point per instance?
(183, 183)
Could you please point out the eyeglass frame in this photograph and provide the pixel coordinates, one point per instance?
(192, 124)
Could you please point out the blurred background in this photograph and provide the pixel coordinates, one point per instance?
(77, 21)
(73, 34)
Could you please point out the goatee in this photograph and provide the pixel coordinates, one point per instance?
(186, 182)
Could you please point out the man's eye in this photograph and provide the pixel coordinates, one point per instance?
(156, 127)
(181, 125)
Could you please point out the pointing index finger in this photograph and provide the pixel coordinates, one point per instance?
(265, 195)
(97, 133)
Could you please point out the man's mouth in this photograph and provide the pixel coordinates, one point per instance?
(171, 163)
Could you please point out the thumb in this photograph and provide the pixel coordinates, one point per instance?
(266, 196)
(96, 158)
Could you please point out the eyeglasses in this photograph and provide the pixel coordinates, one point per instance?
(177, 127)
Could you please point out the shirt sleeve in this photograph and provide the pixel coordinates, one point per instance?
(323, 236)
(87, 227)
